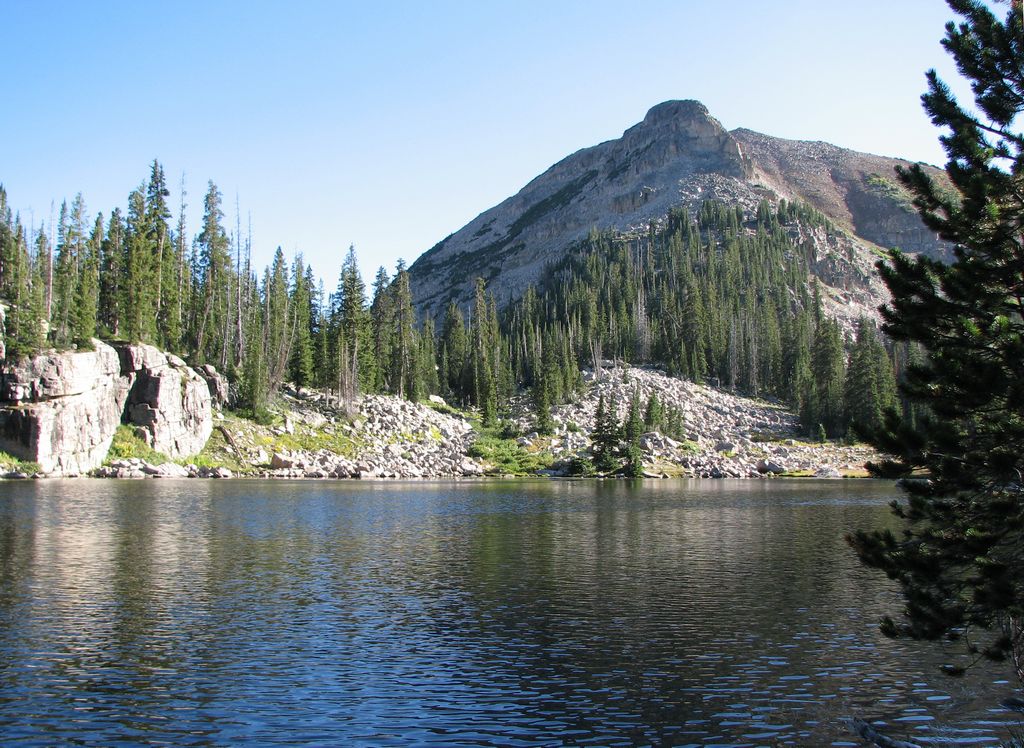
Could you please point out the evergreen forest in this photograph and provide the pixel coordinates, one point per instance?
(718, 297)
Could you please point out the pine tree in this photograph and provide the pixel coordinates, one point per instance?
(604, 438)
(322, 335)
(454, 349)
(300, 365)
(634, 425)
(634, 463)
(870, 388)
(958, 559)
(111, 295)
(653, 413)
(9, 277)
(20, 290)
(403, 362)
(426, 359)
(607, 436)
(382, 314)
(70, 249)
(140, 273)
(829, 371)
(254, 380)
(355, 365)
(178, 332)
(543, 389)
(482, 363)
(164, 263)
(278, 321)
(214, 284)
(87, 291)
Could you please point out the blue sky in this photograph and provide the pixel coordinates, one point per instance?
(390, 125)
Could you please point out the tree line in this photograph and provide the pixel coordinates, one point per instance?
(718, 297)
(137, 277)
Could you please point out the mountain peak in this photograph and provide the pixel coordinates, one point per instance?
(678, 155)
(677, 109)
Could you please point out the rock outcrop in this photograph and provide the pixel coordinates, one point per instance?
(169, 402)
(61, 410)
(678, 155)
(217, 383)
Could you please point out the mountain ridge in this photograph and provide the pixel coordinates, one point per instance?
(679, 154)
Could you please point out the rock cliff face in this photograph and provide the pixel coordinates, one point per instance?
(61, 409)
(169, 402)
(858, 191)
(678, 155)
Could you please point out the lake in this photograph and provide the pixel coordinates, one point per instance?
(460, 613)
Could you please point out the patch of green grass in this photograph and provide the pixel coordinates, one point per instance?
(890, 189)
(312, 440)
(505, 457)
(443, 408)
(16, 464)
(216, 453)
(127, 445)
(262, 416)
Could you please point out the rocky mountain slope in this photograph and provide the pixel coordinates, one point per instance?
(678, 155)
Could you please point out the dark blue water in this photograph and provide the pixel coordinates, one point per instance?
(492, 613)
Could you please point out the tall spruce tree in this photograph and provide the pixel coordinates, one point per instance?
(403, 361)
(278, 322)
(454, 353)
(140, 272)
(382, 316)
(482, 351)
(354, 364)
(214, 284)
(300, 365)
(870, 388)
(20, 290)
(605, 436)
(87, 291)
(70, 250)
(828, 366)
(158, 213)
(960, 558)
(111, 311)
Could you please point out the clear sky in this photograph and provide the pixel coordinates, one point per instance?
(389, 125)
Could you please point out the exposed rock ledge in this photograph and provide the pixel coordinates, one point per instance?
(61, 410)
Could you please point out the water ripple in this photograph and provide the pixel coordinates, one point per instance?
(521, 613)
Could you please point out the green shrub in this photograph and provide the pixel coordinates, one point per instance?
(127, 445)
(443, 408)
(582, 466)
(505, 457)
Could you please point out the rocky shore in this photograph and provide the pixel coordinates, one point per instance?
(59, 414)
